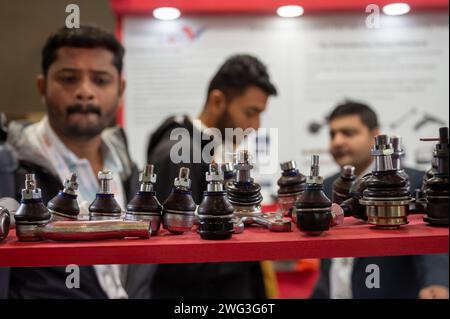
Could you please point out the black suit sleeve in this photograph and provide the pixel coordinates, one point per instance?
(167, 171)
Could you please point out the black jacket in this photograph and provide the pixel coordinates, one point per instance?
(201, 280)
(400, 276)
(49, 282)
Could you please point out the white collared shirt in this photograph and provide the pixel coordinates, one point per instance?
(64, 162)
(341, 269)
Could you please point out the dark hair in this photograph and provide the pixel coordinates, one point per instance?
(367, 115)
(87, 36)
(238, 73)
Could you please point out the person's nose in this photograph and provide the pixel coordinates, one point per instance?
(85, 91)
(255, 123)
(337, 141)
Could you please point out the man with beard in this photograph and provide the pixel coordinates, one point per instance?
(236, 97)
(353, 127)
(81, 86)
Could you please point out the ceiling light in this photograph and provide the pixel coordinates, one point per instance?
(166, 13)
(291, 11)
(396, 9)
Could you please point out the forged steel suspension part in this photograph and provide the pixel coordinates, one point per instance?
(245, 196)
(437, 187)
(291, 185)
(33, 222)
(313, 208)
(179, 207)
(105, 206)
(145, 205)
(215, 212)
(32, 212)
(64, 206)
(387, 196)
(343, 184)
(5, 223)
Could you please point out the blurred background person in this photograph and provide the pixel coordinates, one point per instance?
(237, 95)
(352, 128)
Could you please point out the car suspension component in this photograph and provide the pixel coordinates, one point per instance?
(342, 185)
(313, 207)
(436, 188)
(397, 156)
(179, 207)
(215, 212)
(387, 196)
(105, 206)
(145, 205)
(245, 196)
(64, 206)
(32, 212)
(229, 174)
(243, 193)
(33, 222)
(5, 223)
(291, 186)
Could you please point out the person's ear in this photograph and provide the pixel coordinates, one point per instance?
(41, 86)
(376, 131)
(217, 101)
(122, 85)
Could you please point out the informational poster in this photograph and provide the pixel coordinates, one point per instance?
(400, 68)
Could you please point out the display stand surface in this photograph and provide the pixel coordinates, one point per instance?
(354, 238)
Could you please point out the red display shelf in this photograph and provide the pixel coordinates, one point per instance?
(352, 239)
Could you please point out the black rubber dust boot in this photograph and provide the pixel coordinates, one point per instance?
(32, 212)
(64, 206)
(437, 187)
(215, 212)
(145, 205)
(342, 185)
(244, 194)
(387, 196)
(179, 207)
(105, 206)
(291, 185)
(313, 207)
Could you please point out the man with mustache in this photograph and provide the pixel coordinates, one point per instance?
(81, 86)
(353, 127)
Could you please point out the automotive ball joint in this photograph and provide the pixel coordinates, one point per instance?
(387, 196)
(64, 206)
(105, 206)
(145, 205)
(342, 185)
(215, 212)
(437, 187)
(291, 185)
(179, 207)
(313, 207)
(32, 212)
